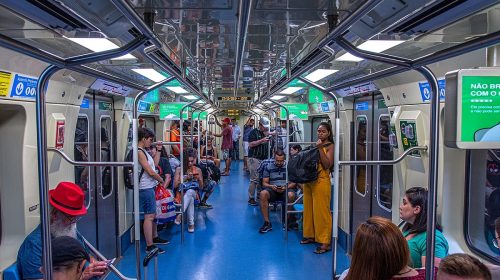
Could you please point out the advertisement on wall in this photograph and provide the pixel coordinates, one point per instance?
(171, 111)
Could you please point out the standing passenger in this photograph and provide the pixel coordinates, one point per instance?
(175, 136)
(247, 128)
(147, 184)
(413, 211)
(227, 144)
(236, 139)
(258, 151)
(317, 196)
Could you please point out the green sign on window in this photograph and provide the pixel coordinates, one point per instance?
(172, 111)
(480, 120)
(409, 135)
(106, 106)
(296, 110)
(315, 96)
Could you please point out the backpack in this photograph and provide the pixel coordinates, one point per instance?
(128, 171)
(209, 170)
(303, 167)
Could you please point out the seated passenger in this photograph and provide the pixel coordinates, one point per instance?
(193, 181)
(381, 252)
(274, 183)
(295, 149)
(413, 211)
(66, 208)
(210, 153)
(68, 258)
(462, 266)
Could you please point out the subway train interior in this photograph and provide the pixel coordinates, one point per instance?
(410, 88)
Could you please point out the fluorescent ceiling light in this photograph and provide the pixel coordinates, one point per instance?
(199, 101)
(267, 102)
(290, 90)
(376, 46)
(100, 45)
(151, 74)
(277, 97)
(320, 74)
(190, 97)
(178, 90)
(210, 110)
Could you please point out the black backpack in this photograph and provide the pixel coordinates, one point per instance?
(128, 171)
(303, 167)
(208, 169)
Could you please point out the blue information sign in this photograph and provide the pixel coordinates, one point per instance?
(362, 106)
(85, 104)
(425, 90)
(324, 107)
(23, 87)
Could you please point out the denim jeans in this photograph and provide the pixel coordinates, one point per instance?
(236, 150)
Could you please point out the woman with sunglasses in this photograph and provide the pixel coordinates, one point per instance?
(413, 211)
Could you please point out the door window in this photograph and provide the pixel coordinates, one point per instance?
(360, 155)
(105, 156)
(483, 203)
(82, 154)
(384, 172)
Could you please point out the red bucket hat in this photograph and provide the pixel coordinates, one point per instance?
(68, 198)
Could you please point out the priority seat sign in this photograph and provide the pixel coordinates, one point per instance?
(24, 87)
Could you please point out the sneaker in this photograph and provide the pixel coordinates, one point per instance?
(266, 227)
(252, 202)
(160, 241)
(204, 205)
(191, 228)
(178, 219)
(152, 247)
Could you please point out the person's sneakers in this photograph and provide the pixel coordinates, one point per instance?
(204, 205)
(191, 228)
(266, 227)
(178, 219)
(159, 241)
(252, 202)
(152, 247)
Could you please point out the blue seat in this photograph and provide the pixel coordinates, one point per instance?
(11, 273)
(298, 207)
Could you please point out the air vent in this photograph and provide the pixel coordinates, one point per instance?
(46, 13)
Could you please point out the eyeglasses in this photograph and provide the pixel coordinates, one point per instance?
(495, 242)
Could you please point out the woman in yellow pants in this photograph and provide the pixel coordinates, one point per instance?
(317, 196)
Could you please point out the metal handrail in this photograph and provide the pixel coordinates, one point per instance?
(303, 143)
(102, 258)
(165, 143)
(384, 162)
(88, 163)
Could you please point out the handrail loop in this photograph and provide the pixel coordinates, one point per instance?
(384, 162)
(88, 163)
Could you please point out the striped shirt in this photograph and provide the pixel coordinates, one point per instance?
(276, 175)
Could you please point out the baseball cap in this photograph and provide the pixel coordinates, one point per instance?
(265, 122)
(226, 120)
(66, 249)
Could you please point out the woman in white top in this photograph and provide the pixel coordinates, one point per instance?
(148, 180)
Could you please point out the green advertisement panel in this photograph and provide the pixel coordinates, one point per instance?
(315, 96)
(152, 96)
(172, 111)
(296, 110)
(480, 118)
(409, 135)
(203, 115)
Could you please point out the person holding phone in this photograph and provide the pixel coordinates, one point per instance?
(274, 183)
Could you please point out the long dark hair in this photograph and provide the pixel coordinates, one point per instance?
(187, 153)
(328, 127)
(417, 196)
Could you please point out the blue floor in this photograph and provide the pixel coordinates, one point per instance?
(227, 245)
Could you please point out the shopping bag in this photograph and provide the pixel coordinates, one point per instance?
(165, 209)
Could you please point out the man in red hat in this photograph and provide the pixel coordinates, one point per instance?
(227, 143)
(66, 207)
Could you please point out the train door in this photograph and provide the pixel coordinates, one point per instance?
(372, 192)
(363, 120)
(94, 141)
(382, 179)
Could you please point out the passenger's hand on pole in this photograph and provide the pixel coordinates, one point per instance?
(95, 269)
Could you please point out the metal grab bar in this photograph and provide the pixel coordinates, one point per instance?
(384, 162)
(165, 143)
(303, 143)
(89, 163)
(102, 258)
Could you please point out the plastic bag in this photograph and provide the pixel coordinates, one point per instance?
(165, 209)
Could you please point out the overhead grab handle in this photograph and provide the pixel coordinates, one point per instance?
(88, 163)
(384, 162)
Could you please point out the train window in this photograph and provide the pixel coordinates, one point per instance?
(82, 154)
(105, 155)
(384, 172)
(360, 154)
(483, 202)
